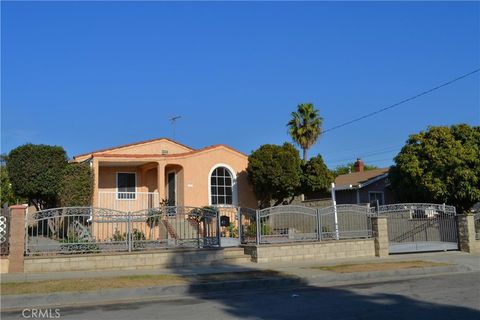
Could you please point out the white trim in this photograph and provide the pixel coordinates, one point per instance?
(344, 187)
(361, 185)
(176, 186)
(234, 185)
(116, 186)
(381, 192)
(380, 177)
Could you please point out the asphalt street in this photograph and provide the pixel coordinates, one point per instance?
(452, 297)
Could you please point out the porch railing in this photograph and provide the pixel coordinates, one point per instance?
(128, 201)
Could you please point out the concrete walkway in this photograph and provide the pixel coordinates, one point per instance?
(460, 260)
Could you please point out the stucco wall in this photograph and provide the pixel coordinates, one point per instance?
(193, 175)
(155, 147)
(196, 176)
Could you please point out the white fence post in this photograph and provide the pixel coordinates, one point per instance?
(337, 236)
(319, 227)
(257, 222)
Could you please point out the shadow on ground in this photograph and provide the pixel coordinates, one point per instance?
(271, 298)
(302, 301)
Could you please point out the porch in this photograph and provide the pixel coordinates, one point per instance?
(133, 186)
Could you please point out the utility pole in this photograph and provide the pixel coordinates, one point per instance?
(173, 120)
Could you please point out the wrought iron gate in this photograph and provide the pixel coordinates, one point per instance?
(416, 227)
(5, 231)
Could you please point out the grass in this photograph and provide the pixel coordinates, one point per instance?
(380, 266)
(133, 281)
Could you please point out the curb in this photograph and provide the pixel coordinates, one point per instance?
(110, 296)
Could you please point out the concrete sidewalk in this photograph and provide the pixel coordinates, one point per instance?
(461, 260)
(298, 275)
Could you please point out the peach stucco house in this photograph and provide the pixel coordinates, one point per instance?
(139, 175)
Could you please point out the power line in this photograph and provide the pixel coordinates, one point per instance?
(402, 102)
(362, 155)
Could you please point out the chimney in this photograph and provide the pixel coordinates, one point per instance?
(359, 166)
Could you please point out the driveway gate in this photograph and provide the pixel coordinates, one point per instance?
(415, 227)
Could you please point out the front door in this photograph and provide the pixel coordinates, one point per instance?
(172, 189)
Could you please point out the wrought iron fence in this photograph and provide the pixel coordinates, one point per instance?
(476, 218)
(417, 210)
(352, 221)
(5, 232)
(91, 230)
(297, 223)
(247, 226)
(420, 227)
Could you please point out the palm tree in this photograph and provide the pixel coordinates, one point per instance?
(305, 126)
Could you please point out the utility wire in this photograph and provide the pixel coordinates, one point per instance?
(401, 102)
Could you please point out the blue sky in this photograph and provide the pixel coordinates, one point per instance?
(92, 75)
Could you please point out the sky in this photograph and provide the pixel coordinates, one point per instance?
(91, 75)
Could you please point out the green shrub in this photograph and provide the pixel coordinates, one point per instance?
(118, 237)
(74, 243)
(252, 230)
(232, 230)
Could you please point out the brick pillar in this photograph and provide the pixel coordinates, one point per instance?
(466, 234)
(380, 233)
(17, 238)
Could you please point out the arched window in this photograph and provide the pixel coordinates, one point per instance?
(221, 187)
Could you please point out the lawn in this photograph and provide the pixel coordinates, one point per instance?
(380, 266)
(134, 281)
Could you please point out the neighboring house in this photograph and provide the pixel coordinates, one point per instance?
(140, 175)
(476, 208)
(364, 187)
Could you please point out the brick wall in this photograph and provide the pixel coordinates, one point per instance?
(466, 234)
(326, 250)
(124, 261)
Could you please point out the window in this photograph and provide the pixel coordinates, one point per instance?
(373, 196)
(126, 185)
(221, 187)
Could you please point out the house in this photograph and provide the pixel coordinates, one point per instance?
(140, 175)
(364, 186)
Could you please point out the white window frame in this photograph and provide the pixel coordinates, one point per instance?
(234, 186)
(116, 186)
(381, 192)
(176, 186)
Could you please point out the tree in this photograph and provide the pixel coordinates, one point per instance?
(76, 186)
(35, 172)
(305, 127)
(440, 165)
(316, 177)
(350, 167)
(7, 196)
(275, 173)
